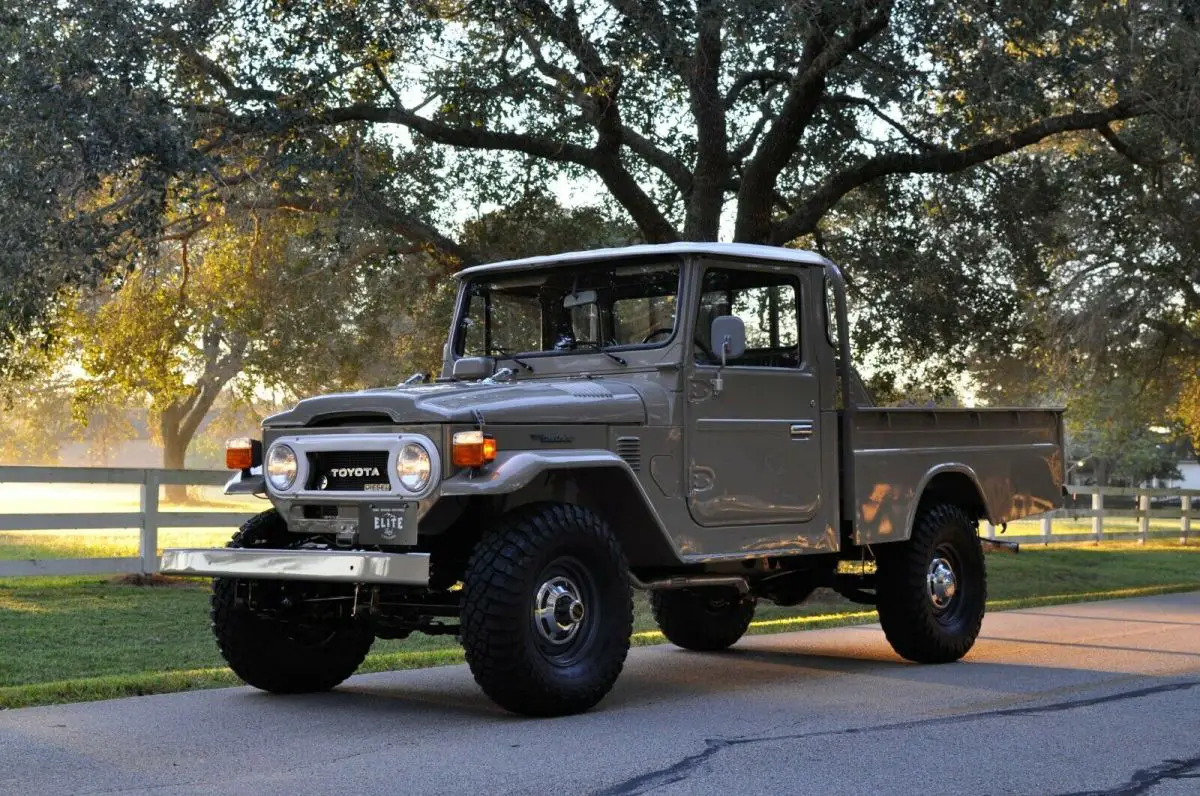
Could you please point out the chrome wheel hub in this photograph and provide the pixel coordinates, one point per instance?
(558, 610)
(942, 583)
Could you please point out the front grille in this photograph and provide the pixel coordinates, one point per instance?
(348, 471)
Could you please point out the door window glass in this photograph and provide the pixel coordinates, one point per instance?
(768, 304)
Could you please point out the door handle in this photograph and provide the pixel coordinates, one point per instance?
(802, 430)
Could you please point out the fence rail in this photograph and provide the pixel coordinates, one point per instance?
(149, 519)
(1143, 514)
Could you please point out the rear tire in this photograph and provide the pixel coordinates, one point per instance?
(547, 610)
(702, 619)
(275, 655)
(932, 590)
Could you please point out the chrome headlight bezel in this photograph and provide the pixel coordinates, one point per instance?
(414, 460)
(281, 476)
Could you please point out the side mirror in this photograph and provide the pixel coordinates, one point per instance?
(473, 368)
(728, 337)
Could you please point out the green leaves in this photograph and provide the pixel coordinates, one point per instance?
(996, 176)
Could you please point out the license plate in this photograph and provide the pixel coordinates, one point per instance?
(388, 523)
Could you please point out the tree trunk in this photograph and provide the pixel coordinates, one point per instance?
(174, 455)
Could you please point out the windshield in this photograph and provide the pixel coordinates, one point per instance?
(607, 305)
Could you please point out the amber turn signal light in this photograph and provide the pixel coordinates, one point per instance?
(243, 453)
(472, 449)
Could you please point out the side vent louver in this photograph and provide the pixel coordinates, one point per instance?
(630, 449)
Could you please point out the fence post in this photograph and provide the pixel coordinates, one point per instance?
(1143, 517)
(1185, 520)
(148, 540)
(1047, 527)
(1098, 519)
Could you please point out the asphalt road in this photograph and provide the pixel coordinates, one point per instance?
(1099, 698)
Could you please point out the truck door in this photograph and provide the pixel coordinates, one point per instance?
(754, 443)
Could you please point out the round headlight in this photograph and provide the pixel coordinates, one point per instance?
(414, 467)
(281, 467)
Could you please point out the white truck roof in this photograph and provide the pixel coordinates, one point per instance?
(750, 250)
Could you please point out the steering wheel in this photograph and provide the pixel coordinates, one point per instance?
(656, 332)
(704, 349)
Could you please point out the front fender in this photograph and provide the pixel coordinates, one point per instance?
(613, 489)
(516, 470)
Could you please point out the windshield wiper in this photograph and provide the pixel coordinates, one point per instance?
(504, 352)
(599, 349)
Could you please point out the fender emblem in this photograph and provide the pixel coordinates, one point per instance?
(551, 439)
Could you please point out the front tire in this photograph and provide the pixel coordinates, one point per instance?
(932, 589)
(702, 619)
(276, 655)
(547, 611)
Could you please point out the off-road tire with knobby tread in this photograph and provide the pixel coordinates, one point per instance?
(515, 666)
(267, 654)
(915, 628)
(702, 619)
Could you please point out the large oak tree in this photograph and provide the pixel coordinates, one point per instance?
(812, 121)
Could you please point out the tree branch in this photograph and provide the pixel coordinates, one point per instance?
(940, 161)
(647, 17)
(603, 86)
(743, 150)
(1108, 134)
(214, 70)
(377, 209)
(577, 91)
(804, 95)
(672, 167)
(465, 137)
(766, 78)
(564, 30)
(377, 70)
(911, 137)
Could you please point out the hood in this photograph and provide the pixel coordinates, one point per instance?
(530, 402)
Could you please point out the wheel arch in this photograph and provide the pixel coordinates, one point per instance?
(954, 483)
(598, 480)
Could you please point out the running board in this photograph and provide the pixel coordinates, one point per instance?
(330, 566)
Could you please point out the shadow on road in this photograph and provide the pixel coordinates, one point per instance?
(758, 664)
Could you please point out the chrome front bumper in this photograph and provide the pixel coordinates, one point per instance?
(330, 566)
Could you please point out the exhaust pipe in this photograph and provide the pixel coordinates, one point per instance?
(689, 582)
(999, 546)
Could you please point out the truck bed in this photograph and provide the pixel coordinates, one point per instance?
(1013, 456)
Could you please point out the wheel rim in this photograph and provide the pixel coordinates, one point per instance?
(558, 610)
(564, 611)
(942, 582)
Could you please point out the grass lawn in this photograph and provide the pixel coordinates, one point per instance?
(73, 639)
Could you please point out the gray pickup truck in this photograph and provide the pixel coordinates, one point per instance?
(680, 418)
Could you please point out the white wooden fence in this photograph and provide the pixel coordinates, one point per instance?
(148, 519)
(1143, 514)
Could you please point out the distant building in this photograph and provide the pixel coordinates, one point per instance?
(1189, 471)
